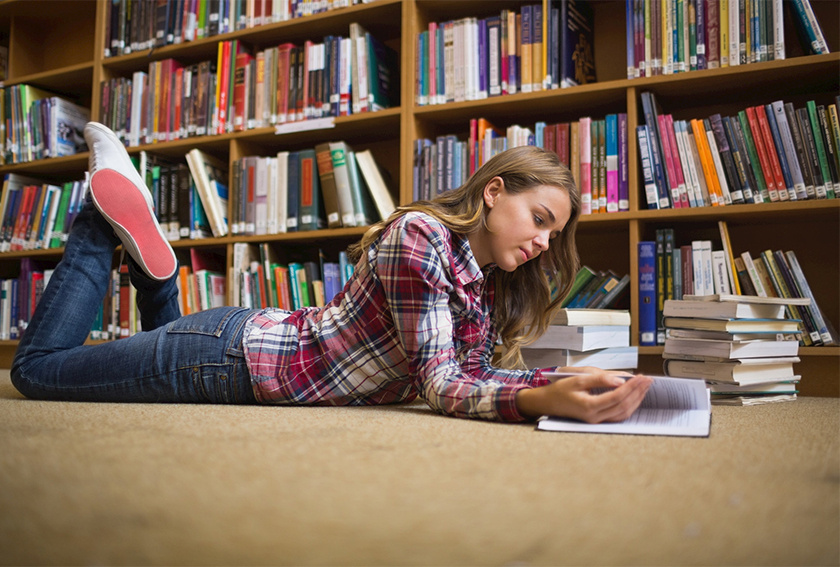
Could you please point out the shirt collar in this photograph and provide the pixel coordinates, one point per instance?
(467, 269)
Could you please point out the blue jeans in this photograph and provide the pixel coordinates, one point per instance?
(195, 358)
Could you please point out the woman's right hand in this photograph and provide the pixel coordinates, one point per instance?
(572, 397)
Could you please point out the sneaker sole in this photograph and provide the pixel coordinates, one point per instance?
(126, 209)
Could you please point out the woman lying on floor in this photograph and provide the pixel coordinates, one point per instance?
(435, 286)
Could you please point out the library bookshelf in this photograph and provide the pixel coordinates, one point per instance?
(70, 61)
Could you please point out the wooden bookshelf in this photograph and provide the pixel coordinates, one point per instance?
(69, 60)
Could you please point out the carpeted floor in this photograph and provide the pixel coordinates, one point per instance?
(108, 484)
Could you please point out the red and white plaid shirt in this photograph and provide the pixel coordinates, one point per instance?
(415, 318)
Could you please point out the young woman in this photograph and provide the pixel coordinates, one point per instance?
(435, 286)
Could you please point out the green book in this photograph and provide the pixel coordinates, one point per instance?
(816, 130)
(58, 235)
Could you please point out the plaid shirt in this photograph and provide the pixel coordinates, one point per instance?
(415, 319)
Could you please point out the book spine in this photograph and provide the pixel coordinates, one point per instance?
(647, 293)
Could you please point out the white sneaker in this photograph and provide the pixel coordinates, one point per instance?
(121, 196)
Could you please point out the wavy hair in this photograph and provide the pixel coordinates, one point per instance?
(527, 298)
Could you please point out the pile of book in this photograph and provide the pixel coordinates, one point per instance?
(585, 337)
(744, 347)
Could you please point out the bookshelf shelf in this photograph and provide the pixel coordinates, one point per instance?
(76, 68)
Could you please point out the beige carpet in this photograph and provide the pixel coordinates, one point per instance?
(106, 484)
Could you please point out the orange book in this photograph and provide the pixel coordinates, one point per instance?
(281, 277)
(184, 285)
(709, 172)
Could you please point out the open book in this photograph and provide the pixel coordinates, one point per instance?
(672, 406)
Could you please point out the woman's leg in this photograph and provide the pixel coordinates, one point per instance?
(197, 358)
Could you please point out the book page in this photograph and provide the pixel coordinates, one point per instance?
(672, 406)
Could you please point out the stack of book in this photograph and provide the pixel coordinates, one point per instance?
(744, 347)
(585, 337)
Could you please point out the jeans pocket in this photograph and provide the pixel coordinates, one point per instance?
(211, 322)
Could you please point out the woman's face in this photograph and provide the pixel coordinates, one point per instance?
(519, 226)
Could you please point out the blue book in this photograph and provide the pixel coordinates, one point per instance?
(651, 193)
(656, 152)
(647, 293)
(623, 165)
(483, 60)
(577, 39)
(780, 151)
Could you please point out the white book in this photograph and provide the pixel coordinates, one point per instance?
(376, 184)
(610, 358)
(271, 196)
(359, 68)
(778, 29)
(722, 309)
(281, 191)
(582, 338)
(214, 205)
(138, 86)
(261, 196)
(672, 406)
(724, 186)
(707, 267)
(697, 267)
(720, 272)
(735, 46)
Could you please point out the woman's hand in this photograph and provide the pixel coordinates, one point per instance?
(571, 397)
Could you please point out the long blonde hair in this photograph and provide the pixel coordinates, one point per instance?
(524, 303)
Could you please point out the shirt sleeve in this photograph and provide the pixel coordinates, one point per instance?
(414, 265)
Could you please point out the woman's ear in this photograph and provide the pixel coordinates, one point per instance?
(492, 191)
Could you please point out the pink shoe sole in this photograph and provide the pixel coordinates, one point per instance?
(125, 208)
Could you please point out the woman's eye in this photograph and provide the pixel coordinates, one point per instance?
(538, 220)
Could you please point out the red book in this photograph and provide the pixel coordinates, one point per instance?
(563, 148)
(675, 153)
(284, 75)
(671, 165)
(240, 91)
(24, 213)
(772, 156)
(223, 82)
(179, 95)
(761, 150)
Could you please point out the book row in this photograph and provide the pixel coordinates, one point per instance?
(669, 270)
(541, 46)
(675, 36)
(136, 26)
(259, 279)
(38, 124)
(243, 89)
(595, 149)
(764, 153)
(327, 186)
(598, 289)
(37, 215)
